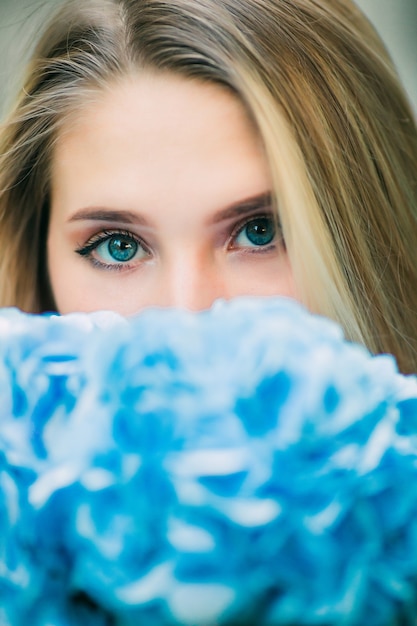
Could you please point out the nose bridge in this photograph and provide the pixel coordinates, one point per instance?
(193, 280)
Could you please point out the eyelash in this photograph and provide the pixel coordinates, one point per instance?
(96, 240)
(99, 238)
(240, 227)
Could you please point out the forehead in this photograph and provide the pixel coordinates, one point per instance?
(157, 132)
(154, 102)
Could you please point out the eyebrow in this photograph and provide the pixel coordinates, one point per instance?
(261, 201)
(103, 214)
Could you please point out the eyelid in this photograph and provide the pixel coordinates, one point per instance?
(98, 238)
(95, 241)
(241, 224)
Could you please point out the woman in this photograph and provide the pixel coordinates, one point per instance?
(175, 152)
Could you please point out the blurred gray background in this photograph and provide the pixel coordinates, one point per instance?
(396, 21)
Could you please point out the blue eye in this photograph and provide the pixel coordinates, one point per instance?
(113, 249)
(257, 232)
(118, 248)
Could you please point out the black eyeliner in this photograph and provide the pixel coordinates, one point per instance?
(104, 235)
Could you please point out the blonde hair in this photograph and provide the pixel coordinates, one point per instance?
(338, 131)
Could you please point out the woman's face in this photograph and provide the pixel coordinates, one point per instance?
(161, 196)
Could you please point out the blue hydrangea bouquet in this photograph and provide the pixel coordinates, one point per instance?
(244, 465)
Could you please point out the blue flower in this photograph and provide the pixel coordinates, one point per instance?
(243, 465)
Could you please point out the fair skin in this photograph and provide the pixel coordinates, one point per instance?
(160, 196)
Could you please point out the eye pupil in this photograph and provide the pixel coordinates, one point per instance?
(122, 249)
(260, 231)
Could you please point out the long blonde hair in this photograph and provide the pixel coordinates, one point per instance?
(338, 131)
